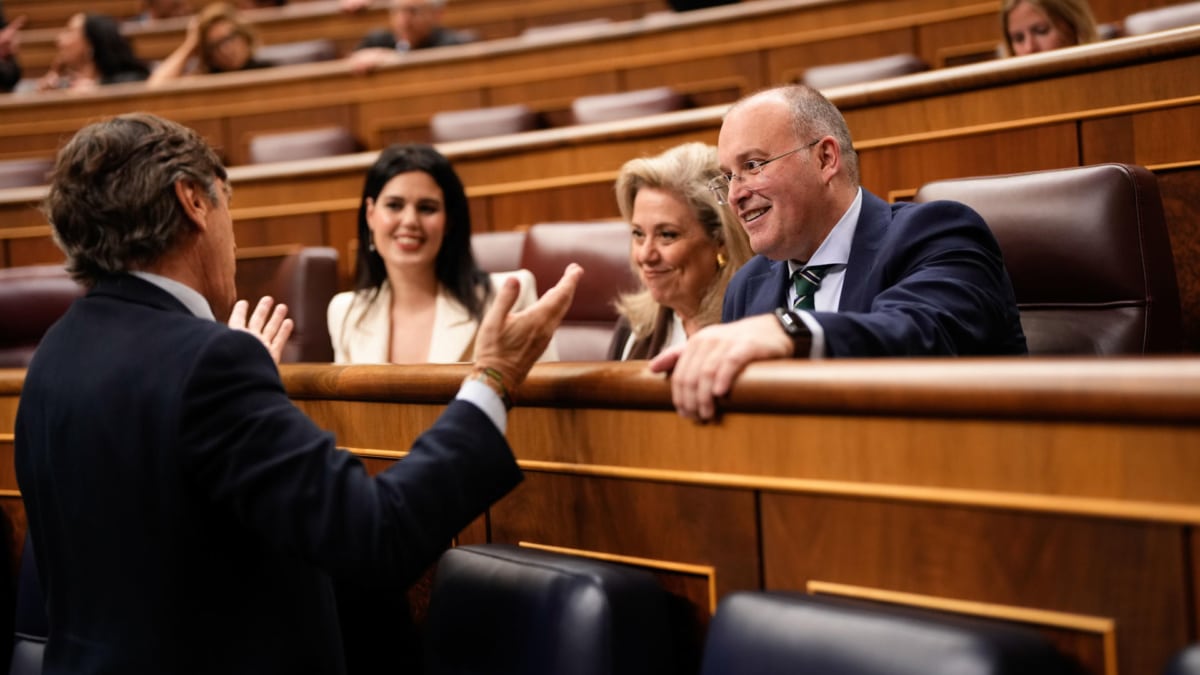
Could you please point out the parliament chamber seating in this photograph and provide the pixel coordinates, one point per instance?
(788, 633)
(1089, 255)
(304, 51)
(287, 146)
(498, 251)
(15, 173)
(1186, 662)
(32, 298)
(1162, 18)
(460, 125)
(602, 249)
(869, 70)
(627, 104)
(31, 628)
(500, 609)
(305, 279)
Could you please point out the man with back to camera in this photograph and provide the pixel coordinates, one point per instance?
(838, 271)
(185, 515)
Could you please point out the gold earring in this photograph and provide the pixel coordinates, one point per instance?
(721, 261)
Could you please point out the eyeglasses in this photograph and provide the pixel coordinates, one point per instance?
(720, 184)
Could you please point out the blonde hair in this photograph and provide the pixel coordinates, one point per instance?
(1075, 15)
(218, 12)
(683, 171)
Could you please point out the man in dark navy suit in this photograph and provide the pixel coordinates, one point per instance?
(839, 272)
(186, 517)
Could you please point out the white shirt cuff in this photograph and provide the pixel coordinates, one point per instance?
(487, 400)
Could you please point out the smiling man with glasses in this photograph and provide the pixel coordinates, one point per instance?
(838, 271)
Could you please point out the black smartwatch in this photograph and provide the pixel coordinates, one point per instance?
(797, 330)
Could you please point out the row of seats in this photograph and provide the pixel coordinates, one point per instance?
(1087, 249)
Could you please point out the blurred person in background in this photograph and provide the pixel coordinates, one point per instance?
(217, 41)
(1032, 26)
(10, 68)
(415, 24)
(92, 52)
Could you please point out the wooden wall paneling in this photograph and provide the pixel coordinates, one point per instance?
(343, 236)
(43, 14)
(244, 128)
(888, 165)
(952, 43)
(1180, 190)
(787, 64)
(306, 230)
(588, 201)
(384, 122)
(1028, 560)
(723, 78)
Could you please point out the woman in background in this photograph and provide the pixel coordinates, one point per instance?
(684, 247)
(217, 41)
(419, 295)
(92, 52)
(1032, 26)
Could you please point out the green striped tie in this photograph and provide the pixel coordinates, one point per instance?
(807, 281)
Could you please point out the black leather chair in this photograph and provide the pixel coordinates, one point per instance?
(602, 248)
(1186, 662)
(782, 633)
(505, 609)
(1089, 255)
(31, 628)
(306, 280)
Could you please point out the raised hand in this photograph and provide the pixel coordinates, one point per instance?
(511, 343)
(273, 328)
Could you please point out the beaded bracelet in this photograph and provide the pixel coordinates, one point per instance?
(492, 378)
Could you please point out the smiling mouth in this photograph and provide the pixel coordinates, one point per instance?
(753, 214)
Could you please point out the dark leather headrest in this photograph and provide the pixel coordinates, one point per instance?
(506, 609)
(782, 633)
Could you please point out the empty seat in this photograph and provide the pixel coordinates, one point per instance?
(308, 144)
(572, 29)
(460, 125)
(498, 609)
(838, 74)
(15, 173)
(32, 298)
(305, 279)
(1186, 662)
(778, 633)
(1088, 253)
(1162, 18)
(639, 103)
(602, 249)
(306, 51)
(498, 251)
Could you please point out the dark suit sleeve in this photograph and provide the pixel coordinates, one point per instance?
(378, 38)
(621, 332)
(941, 290)
(252, 453)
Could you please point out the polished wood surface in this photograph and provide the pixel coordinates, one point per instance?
(322, 19)
(712, 56)
(1060, 493)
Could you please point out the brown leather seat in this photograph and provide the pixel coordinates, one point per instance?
(306, 281)
(838, 74)
(1088, 252)
(639, 103)
(460, 125)
(32, 298)
(305, 51)
(15, 173)
(288, 146)
(602, 248)
(1162, 18)
(498, 251)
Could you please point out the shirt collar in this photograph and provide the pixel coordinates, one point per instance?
(835, 250)
(190, 298)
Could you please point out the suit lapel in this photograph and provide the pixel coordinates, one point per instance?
(872, 226)
(770, 290)
(453, 330)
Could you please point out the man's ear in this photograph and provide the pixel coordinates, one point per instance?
(829, 157)
(194, 200)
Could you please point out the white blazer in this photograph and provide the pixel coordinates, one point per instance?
(361, 332)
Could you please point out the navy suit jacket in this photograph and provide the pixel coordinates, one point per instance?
(922, 279)
(187, 517)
